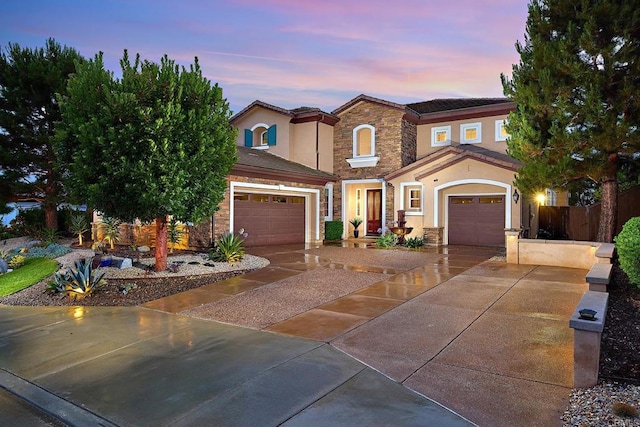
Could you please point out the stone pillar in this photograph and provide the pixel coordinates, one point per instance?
(511, 243)
(433, 236)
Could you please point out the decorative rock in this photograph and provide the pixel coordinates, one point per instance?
(144, 249)
(3, 266)
(125, 263)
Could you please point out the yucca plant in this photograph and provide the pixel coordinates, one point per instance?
(79, 282)
(78, 226)
(174, 233)
(111, 228)
(228, 248)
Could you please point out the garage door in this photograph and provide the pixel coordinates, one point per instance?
(269, 219)
(476, 220)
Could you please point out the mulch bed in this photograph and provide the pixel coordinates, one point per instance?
(620, 347)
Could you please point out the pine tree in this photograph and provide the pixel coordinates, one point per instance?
(577, 96)
(154, 143)
(29, 82)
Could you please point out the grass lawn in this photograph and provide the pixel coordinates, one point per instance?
(33, 270)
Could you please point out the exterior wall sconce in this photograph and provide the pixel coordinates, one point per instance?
(516, 196)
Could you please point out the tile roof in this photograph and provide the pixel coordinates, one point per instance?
(263, 161)
(449, 104)
(300, 113)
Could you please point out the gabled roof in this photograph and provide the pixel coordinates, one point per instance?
(429, 164)
(259, 163)
(297, 115)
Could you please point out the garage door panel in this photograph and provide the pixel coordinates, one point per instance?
(476, 220)
(270, 219)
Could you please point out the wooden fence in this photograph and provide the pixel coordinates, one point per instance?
(581, 223)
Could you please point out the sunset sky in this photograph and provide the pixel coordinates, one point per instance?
(294, 53)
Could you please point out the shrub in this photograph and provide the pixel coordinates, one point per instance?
(52, 251)
(79, 282)
(16, 261)
(228, 248)
(333, 230)
(387, 240)
(414, 242)
(29, 222)
(628, 247)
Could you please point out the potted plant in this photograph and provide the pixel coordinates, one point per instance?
(356, 223)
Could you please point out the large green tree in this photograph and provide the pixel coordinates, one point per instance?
(577, 96)
(153, 143)
(29, 82)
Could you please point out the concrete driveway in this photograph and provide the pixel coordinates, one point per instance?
(489, 340)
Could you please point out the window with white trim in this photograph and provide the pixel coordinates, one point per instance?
(328, 202)
(501, 131)
(440, 136)
(412, 197)
(364, 147)
(364, 144)
(471, 133)
(260, 135)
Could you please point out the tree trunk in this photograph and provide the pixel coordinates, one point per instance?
(609, 206)
(51, 216)
(161, 243)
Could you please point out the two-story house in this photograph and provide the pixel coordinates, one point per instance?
(443, 162)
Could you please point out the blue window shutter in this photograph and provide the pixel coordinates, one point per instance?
(248, 138)
(271, 135)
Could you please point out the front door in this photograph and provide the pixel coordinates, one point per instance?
(374, 211)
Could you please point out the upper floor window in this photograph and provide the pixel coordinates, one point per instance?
(501, 131)
(440, 136)
(364, 147)
(364, 141)
(471, 133)
(260, 135)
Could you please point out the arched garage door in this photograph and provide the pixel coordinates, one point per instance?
(476, 220)
(269, 219)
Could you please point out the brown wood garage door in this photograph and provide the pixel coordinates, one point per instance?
(476, 220)
(269, 219)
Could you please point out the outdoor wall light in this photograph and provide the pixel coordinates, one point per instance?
(516, 196)
(541, 198)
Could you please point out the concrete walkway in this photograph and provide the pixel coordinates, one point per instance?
(491, 341)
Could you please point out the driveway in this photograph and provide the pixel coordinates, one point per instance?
(489, 340)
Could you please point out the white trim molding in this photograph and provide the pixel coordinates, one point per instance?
(383, 186)
(434, 134)
(507, 198)
(403, 187)
(363, 162)
(312, 225)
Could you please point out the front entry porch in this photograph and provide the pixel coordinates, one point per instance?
(364, 199)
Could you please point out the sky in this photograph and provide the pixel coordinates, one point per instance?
(293, 53)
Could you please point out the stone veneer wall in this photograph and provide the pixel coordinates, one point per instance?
(409, 142)
(395, 140)
(433, 235)
(222, 216)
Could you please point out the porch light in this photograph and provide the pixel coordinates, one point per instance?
(516, 196)
(541, 198)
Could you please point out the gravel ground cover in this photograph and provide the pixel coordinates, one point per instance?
(264, 306)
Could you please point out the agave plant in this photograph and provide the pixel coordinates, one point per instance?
(229, 248)
(79, 225)
(79, 282)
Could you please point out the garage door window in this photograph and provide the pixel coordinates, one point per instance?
(461, 200)
(261, 198)
(277, 199)
(490, 200)
(297, 200)
(241, 197)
